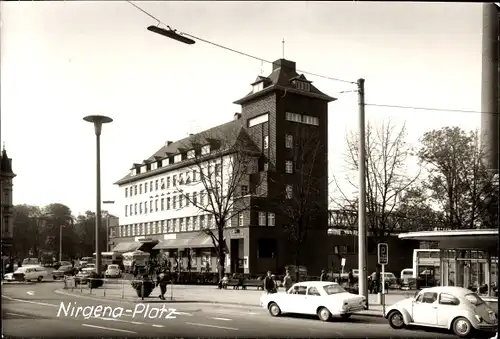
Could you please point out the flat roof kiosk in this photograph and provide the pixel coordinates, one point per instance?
(468, 258)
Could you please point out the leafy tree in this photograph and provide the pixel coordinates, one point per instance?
(387, 178)
(28, 231)
(221, 164)
(457, 179)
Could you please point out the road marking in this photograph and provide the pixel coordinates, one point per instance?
(109, 328)
(29, 302)
(213, 326)
(31, 293)
(183, 313)
(120, 320)
(154, 325)
(223, 319)
(18, 315)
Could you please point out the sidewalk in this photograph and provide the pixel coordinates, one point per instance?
(208, 294)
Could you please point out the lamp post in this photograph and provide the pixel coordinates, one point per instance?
(98, 121)
(107, 223)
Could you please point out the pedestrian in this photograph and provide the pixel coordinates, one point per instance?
(269, 283)
(350, 279)
(322, 277)
(162, 281)
(287, 281)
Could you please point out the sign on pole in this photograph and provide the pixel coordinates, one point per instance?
(342, 262)
(383, 253)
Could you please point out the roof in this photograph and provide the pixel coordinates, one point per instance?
(456, 290)
(316, 283)
(281, 79)
(231, 132)
(441, 235)
(6, 165)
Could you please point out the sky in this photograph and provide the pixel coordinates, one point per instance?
(63, 60)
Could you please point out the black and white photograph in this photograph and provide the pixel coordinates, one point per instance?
(249, 169)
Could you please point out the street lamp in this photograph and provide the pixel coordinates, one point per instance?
(171, 33)
(107, 224)
(98, 120)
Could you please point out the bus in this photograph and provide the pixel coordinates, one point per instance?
(426, 267)
(108, 258)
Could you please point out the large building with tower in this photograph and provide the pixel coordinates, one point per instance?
(283, 125)
(6, 208)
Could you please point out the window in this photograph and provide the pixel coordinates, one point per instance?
(333, 289)
(130, 209)
(266, 142)
(309, 120)
(135, 189)
(195, 175)
(202, 198)
(126, 210)
(182, 226)
(244, 190)
(313, 291)
(156, 205)
(151, 186)
(427, 297)
(196, 226)
(151, 206)
(303, 85)
(162, 185)
(299, 290)
(174, 202)
(177, 158)
(270, 219)
(218, 170)
(195, 199)
(140, 208)
(258, 120)
(293, 117)
(241, 219)
(126, 192)
(135, 209)
(187, 199)
(258, 87)
(156, 230)
(175, 225)
(189, 224)
(140, 188)
(262, 218)
(156, 185)
(205, 150)
(168, 182)
(448, 299)
(210, 221)
(174, 180)
(474, 299)
(202, 221)
(289, 166)
(266, 166)
(181, 199)
(289, 141)
(289, 191)
(169, 225)
(190, 154)
(162, 204)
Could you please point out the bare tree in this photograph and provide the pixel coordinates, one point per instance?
(219, 180)
(457, 178)
(300, 202)
(386, 175)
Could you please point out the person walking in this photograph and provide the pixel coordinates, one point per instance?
(287, 281)
(269, 283)
(322, 277)
(162, 281)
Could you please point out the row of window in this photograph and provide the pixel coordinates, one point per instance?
(186, 224)
(302, 118)
(185, 178)
(174, 202)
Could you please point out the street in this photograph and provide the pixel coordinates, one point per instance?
(32, 311)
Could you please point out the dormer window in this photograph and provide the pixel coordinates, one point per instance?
(190, 154)
(302, 85)
(258, 87)
(178, 158)
(205, 150)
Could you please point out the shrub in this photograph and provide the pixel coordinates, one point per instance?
(148, 287)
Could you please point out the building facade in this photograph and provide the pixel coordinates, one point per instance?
(6, 208)
(284, 126)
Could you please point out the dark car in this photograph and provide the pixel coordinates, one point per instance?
(63, 271)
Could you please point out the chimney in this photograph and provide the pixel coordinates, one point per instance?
(191, 134)
(168, 143)
(237, 116)
(286, 65)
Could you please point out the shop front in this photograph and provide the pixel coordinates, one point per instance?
(468, 258)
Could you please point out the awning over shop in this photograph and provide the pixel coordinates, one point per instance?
(124, 247)
(467, 238)
(196, 242)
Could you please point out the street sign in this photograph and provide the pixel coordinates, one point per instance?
(383, 253)
(342, 262)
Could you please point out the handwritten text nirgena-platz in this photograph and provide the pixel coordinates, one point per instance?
(71, 309)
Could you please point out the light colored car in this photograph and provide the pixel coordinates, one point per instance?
(28, 273)
(83, 276)
(89, 268)
(323, 298)
(448, 307)
(113, 271)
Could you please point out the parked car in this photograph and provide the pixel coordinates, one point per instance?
(113, 271)
(448, 307)
(28, 273)
(63, 271)
(83, 275)
(323, 298)
(61, 263)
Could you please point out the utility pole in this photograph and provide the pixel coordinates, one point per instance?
(362, 278)
(60, 243)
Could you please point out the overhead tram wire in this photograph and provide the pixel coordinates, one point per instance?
(431, 109)
(234, 50)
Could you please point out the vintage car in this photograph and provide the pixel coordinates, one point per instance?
(28, 273)
(113, 271)
(448, 307)
(83, 275)
(323, 298)
(62, 271)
